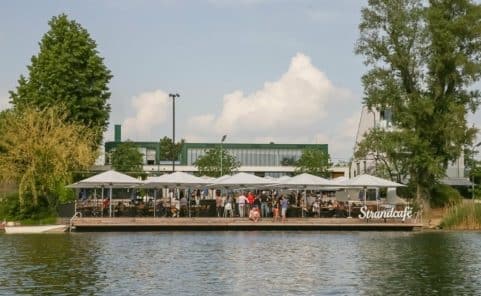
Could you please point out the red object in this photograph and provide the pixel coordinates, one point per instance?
(250, 198)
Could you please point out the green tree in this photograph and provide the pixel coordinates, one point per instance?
(40, 150)
(68, 71)
(210, 163)
(422, 58)
(315, 162)
(127, 158)
(385, 148)
(166, 149)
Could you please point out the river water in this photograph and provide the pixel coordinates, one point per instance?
(242, 263)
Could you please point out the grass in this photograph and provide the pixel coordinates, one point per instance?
(463, 216)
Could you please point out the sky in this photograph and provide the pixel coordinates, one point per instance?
(258, 71)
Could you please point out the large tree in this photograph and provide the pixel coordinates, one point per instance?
(127, 158)
(68, 70)
(216, 162)
(315, 162)
(423, 57)
(39, 152)
(168, 151)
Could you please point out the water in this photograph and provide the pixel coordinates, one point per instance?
(242, 263)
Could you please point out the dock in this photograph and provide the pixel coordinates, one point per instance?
(238, 224)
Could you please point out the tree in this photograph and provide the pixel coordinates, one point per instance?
(385, 148)
(68, 71)
(315, 162)
(423, 58)
(210, 163)
(166, 149)
(127, 158)
(39, 152)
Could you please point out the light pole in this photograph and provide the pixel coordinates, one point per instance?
(173, 96)
(221, 155)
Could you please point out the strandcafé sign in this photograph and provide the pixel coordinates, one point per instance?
(407, 213)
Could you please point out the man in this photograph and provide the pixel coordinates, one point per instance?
(284, 205)
(264, 204)
(219, 204)
(242, 200)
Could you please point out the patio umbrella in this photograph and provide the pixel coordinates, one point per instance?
(305, 181)
(110, 179)
(365, 181)
(241, 180)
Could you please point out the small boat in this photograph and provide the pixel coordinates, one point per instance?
(35, 229)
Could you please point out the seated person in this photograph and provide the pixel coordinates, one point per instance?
(254, 214)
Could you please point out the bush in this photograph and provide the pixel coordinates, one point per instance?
(463, 216)
(444, 195)
(10, 210)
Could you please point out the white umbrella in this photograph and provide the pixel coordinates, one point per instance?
(364, 181)
(176, 180)
(110, 179)
(305, 181)
(241, 180)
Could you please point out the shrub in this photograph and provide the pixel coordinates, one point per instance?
(444, 195)
(463, 216)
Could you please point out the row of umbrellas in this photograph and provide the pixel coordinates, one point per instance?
(113, 179)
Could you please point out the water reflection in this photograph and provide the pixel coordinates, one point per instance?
(242, 263)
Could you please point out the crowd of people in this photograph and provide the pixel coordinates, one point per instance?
(254, 205)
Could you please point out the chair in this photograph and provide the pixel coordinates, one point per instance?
(228, 210)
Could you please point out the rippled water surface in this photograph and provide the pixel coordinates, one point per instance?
(242, 263)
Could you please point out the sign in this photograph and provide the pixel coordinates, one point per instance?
(384, 214)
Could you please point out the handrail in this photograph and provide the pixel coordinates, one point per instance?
(79, 214)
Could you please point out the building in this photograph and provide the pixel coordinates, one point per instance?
(271, 159)
(383, 119)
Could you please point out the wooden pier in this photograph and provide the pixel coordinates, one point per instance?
(238, 224)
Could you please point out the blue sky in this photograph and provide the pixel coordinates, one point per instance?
(256, 70)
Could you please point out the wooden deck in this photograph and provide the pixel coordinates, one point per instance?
(236, 224)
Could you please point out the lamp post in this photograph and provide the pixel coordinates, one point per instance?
(221, 155)
(173, 96)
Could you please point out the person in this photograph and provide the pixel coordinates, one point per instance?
(264, 204)
(284, 205)
(183, 206)
(275, 210)
(316, 208)
(228, 208)
(250, 201)
(105, 205)
(219, 205)
(242, 199)
(254, 214)
(257, 203)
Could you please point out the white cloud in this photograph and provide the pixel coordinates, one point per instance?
(294, 102)
(150, 111)
(303, 106)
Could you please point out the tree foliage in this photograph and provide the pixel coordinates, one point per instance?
(68, 71)
(314, 162)
(166, 149)
(127, 158)
(210, 163)
(422, 58)
(39, 151)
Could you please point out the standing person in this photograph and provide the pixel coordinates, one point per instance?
(264, 204)
(284, 205)
(275, 210)
(250, 201)
(242, 200)
(219, 205)
(257, 203)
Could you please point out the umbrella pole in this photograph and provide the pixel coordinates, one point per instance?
(95, 199)
(110, 202)
(102, 205)
(365, 195)
(155, 200)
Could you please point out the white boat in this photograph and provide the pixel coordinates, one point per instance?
(35, 229)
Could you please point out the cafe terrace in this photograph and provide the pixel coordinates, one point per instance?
(115, 201)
